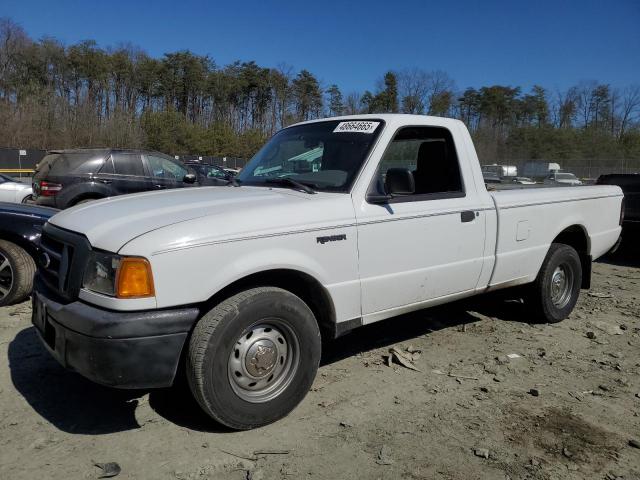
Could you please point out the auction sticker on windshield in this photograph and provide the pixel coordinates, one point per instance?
(356, 127)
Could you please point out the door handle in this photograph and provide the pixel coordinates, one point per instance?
(106, 182)
(160, 187)
(467, 216)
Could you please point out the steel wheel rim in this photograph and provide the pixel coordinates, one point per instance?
(263, 360)
(561, 285)
(6, 277)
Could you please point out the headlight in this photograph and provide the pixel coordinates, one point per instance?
(116, 276)
(100, 274)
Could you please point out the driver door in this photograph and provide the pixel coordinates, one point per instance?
(428, 244)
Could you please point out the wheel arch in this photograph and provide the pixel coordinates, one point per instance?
(85, 196)
(76, 192)
(301, 284)
(576, 236)
(19, 240)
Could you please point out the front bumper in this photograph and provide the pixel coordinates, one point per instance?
(118, 349)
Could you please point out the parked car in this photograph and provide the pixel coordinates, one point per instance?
(237, 284)
(630, 185)
(523, 181)
(209, 175)
(232, 171)
(491, 177)
(20, 229)
(14, 191)
(68, 177)
(562, 178)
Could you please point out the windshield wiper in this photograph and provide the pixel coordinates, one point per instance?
(292, 183)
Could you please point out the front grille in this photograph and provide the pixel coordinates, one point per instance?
(63, 260)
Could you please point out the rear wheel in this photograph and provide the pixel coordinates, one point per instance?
(555, 292)
(16, 273)
(253, 357)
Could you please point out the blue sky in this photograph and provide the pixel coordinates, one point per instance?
(554, 43)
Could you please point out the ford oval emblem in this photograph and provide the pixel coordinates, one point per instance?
(45, 260)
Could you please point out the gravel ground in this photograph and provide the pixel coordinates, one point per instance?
(565, 406)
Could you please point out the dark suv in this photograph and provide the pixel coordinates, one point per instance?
(67, 177)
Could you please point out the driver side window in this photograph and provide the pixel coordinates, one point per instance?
(429, 154)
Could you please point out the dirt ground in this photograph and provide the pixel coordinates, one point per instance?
(566, 407)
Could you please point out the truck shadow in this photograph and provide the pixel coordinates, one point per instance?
(628, 255)
(178, 406)
(422, 322)
(76, 405)
(67, 400)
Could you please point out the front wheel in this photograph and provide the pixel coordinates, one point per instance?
(253, 357)
(555, 292)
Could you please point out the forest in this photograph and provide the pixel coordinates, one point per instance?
(54, 95)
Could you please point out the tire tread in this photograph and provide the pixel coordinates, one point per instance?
(24, 268)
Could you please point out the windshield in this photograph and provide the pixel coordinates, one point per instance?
(326, 155)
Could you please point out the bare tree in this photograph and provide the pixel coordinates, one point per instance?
(564, 107)
(13, 42)
(439, 86)
(352, 103)
(630, 109)
(413, 85)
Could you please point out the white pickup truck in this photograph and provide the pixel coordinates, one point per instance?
(334, 224)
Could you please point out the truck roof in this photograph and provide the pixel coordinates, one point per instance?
(393, 119)
(99, 150)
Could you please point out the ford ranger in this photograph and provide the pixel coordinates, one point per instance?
(333, 224)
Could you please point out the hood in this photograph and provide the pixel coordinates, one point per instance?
(26, 209)
(111, 223)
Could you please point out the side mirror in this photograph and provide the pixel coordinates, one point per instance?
(189, 178)
(399, 181)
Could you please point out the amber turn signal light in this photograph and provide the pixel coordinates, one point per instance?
(134, 278)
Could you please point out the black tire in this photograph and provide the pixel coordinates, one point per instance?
(17, 269)
(549, 302)
(229, 327)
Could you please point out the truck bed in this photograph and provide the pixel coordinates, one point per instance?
(528, 217)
